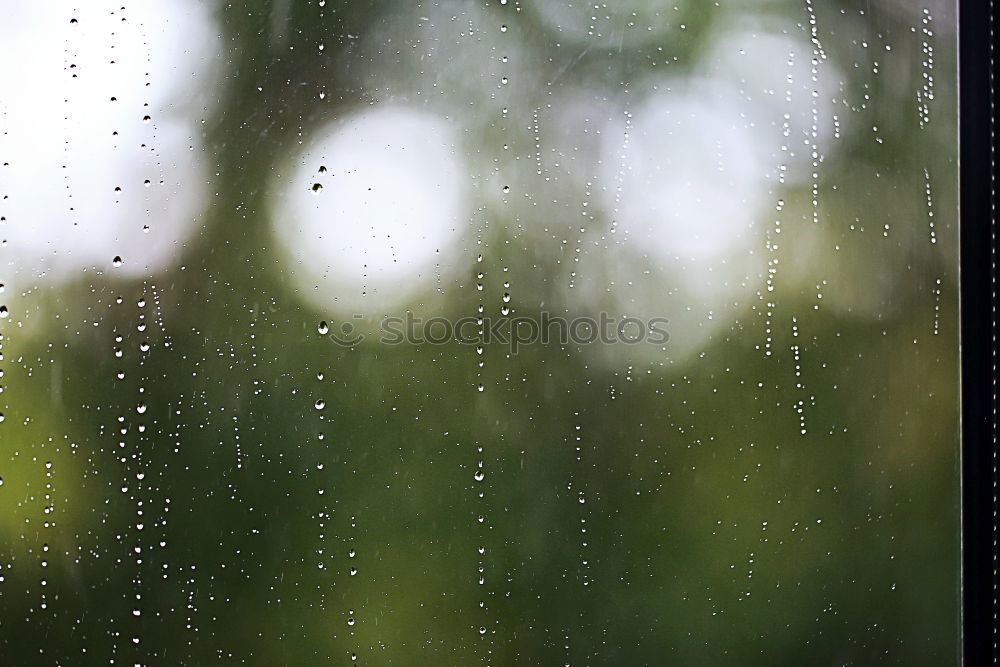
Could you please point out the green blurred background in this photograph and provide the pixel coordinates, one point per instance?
(638, 506)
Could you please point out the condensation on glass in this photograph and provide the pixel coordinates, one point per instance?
(479, 333)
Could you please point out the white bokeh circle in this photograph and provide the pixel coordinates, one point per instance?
(371, 212)
(102, 136)
(690, 184)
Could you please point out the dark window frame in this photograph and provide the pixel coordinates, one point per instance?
(977, 149)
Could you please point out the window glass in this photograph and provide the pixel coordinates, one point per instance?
(479, 332)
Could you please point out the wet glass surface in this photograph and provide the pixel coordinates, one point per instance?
(468, 333)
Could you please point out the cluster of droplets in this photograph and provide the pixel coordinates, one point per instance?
(323, 514)
(937, 306)
(48, 523)
(768, 327)
(147, 119)
(800, 388)
(586, 215)
(772, 234)
(134, 466)
(819, 54)
(584, 509)
(930, 206)
(536, 135)
(751, 557)
(622, 166)
(352, 571)
(317, 187)
(4, 312)
(926, 92)
(480, 475)
(819, 294)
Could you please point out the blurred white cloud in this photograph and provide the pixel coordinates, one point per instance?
(372, 211)
(102, 140)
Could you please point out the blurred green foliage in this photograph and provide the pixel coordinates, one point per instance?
(712, 532)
